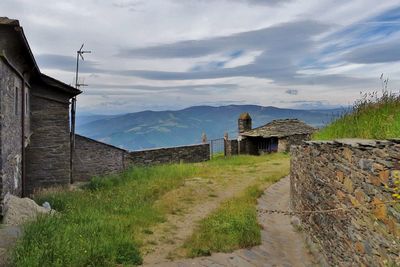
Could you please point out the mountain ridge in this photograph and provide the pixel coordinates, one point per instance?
(151, 129)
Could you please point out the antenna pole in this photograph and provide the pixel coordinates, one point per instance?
(79, 53)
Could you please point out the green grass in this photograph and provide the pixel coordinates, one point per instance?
(104, 223)
(372, 117)
(97, 226)
(234, 224)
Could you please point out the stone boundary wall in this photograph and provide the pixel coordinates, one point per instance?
(349, 173)
(94, 158)
(231, 147)
(285, 143)
(186, 154)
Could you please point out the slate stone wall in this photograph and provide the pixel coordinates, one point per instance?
(93, 158)
(186, 154)
(231, 147)
(48, 154)
(285, 143)
(247, 146)
(355, 174)
(10, 133)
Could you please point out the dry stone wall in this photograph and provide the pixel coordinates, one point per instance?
(355, 174)
(231, 147)
(285, 143)
(187, 154)
(94, 158)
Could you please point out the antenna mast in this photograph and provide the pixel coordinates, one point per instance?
(79, 54)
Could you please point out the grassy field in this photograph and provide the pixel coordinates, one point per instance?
(106, 222)
(372, 117)
(97, 226)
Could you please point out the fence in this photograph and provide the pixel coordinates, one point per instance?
(217, 146)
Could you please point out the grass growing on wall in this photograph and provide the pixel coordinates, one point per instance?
(97, 226)
(372, 117)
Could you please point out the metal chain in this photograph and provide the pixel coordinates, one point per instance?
(345, 209)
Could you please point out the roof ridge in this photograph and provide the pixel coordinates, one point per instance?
(281, 127)
(8, 21)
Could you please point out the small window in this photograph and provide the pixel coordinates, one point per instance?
(16, 94)
(26, 103)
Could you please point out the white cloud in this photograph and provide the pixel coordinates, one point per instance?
(315, 69)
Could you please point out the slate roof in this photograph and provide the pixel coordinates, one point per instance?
(280, 128)
(14, 26)
(7, 21)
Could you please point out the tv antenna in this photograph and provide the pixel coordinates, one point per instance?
(79, 55)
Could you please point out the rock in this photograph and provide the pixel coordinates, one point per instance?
(295, 221)
(46, 205)
(21, 210)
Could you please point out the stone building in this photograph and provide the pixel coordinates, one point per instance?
(275, 136)
(34, 120)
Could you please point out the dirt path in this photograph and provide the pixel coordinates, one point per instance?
(170, 236)
(281, 244)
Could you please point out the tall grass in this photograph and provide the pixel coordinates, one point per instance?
(372, 117)
(103, 223)
(97, 226)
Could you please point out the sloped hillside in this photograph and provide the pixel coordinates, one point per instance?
(372, 117)
(149, 129)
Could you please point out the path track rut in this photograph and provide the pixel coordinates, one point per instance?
(281, 244)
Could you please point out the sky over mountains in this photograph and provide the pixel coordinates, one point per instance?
(170, 54)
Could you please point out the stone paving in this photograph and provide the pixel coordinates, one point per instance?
(281, 244)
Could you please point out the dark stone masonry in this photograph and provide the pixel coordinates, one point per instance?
(358, 174)
(34, 120)
(10, 133)
(184, 154)
(93, 158)
(231, 147)
(48, 153)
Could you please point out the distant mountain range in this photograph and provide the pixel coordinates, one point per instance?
(150, 129)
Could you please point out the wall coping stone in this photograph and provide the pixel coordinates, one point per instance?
(102, 143)
(166, 148)
(354, 142)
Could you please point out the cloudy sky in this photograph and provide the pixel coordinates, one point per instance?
(171, 54)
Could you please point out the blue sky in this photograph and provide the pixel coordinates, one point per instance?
(171, 54)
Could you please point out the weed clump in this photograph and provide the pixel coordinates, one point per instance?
(98, 226)
(374, 116)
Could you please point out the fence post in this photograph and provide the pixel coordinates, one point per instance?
(204, 138)
(226, 145)
(211, 149)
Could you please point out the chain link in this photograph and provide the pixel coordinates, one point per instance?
(342, 209)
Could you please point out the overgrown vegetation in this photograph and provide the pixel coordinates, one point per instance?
(234, 225)
(104, 223)
(372, 117)
(97, 226)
